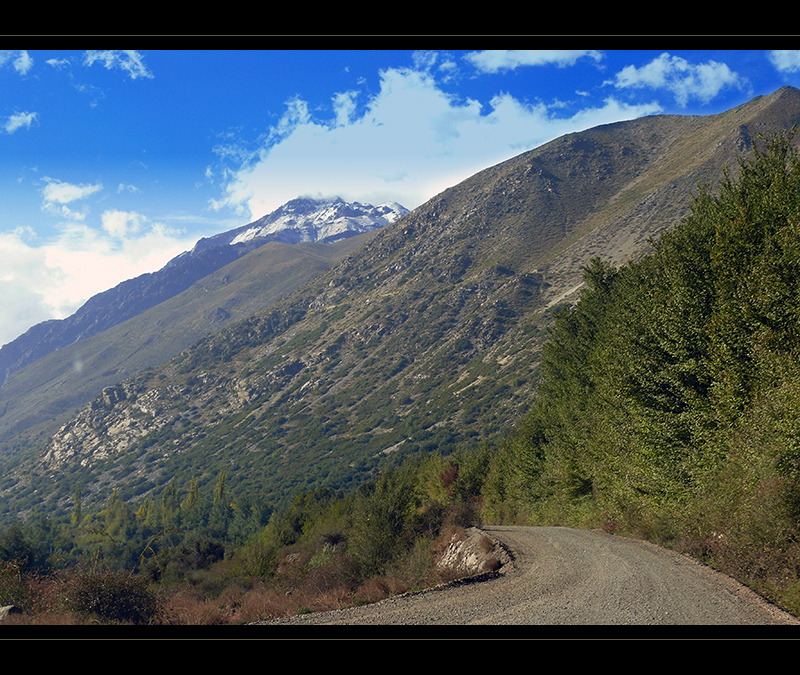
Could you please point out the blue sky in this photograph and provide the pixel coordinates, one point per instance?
(115, 161)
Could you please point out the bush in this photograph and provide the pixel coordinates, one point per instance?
(120, 597)
(13, 586)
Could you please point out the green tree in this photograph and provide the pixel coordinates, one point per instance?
(380, 511)
(148, 516)
(15, 548)
(77, 512)
(119, 519)
(194, 509)
(649, 380)
(170, 507)
(220, 513)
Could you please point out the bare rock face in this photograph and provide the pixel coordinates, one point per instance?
(115, 420)
(473, 552)
(112, 395)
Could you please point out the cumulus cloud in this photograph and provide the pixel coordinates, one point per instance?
(683, 79)
(45, 279)
(57, 194)
(411, 141)
(495, 60)
(785, 60)
(121, 224)
(23, 279)
(127, 60)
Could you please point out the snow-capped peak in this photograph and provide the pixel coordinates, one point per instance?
(308, 219)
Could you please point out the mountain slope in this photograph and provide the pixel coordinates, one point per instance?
(301, 220)
(57, 366)
(425, 338)
(35, 399)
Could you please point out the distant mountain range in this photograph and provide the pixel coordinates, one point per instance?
(424, 337)
(98, 342)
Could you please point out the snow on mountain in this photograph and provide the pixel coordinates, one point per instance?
(306, 219)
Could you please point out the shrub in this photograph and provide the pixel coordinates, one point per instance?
(111, 596)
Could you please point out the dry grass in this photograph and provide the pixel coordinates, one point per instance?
(192, 606)
(485, 544)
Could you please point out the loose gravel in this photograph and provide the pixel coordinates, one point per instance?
(565, 577)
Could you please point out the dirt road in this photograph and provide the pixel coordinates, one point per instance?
(564, 577)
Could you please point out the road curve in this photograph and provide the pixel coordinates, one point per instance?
(563, 576)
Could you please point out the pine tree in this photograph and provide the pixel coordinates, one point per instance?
(76, 517)
(220, 513)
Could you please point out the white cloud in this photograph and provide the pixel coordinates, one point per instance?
(411, 141)
(120, 224)
(41, 281)
(344, 105)
(57, 194)
(683, 79)
(48, 279)
(19, 59)
(61, 192)
(495, 60)
(19, 121)
(127, 60)
(58, 63)
(785, 60)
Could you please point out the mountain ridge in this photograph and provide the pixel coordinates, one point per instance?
(306, 219)
(133, 296)
(425, 338)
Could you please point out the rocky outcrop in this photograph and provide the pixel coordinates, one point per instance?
(473, 552)
(106, 426)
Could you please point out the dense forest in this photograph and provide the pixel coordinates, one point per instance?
(667, 409)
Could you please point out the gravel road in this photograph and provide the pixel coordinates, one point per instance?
(562, 576)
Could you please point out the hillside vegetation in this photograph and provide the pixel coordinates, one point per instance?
(37, 399)
(667, 409)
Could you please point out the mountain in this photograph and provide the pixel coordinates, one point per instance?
(306, 219)
(57, 366)
(425, 338)
(300, 220)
